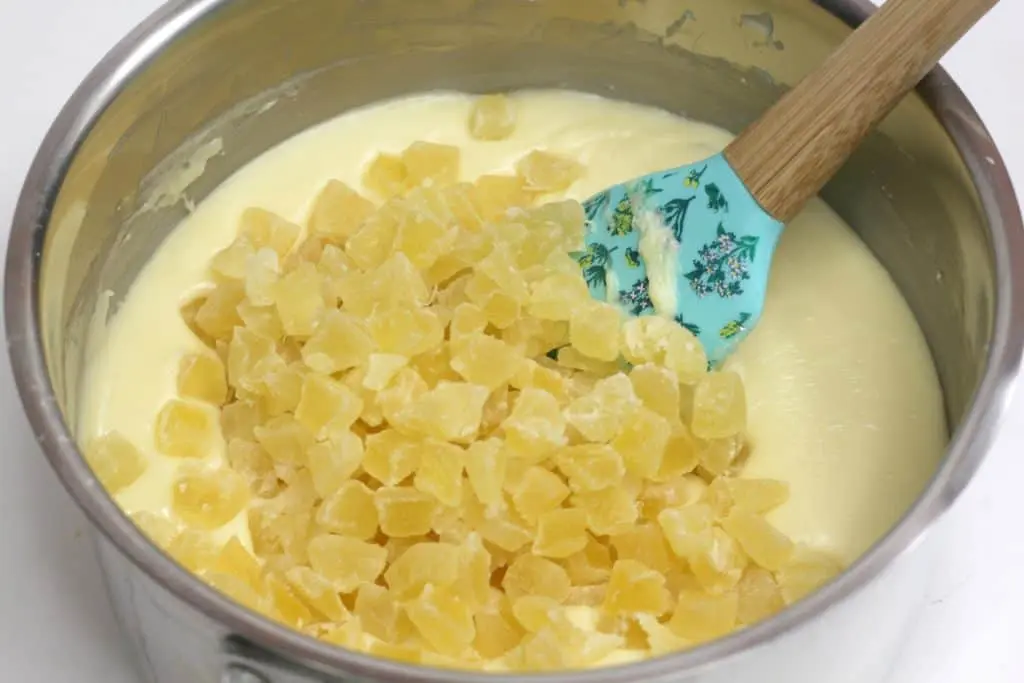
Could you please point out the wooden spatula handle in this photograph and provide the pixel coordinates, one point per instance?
(791, 152)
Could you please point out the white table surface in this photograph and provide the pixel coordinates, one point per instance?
(55, 625)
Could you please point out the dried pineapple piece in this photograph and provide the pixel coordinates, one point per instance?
(186, 430)
(261, 275)
(700, 617)
(285, 439)
(591, 566)
(759, 596)
(317, 593)
(591, 467)
(536, 576)
(719, 566)
(381, 368)
(209, 498)
(370, 246)
(497, 632)
(635, 588)
(386, 176)
(426, 229)
(115, 461)
(347, 563)
(719, 406)
(338, 212)
(492, 117)
(486, 361)
(276, 530)
(341, 342)
(593, 330)
(758, 495)
(599, 415)
(158, 528)
(266, 229)
(536, 612)
(193, 550)
(681, 455)
(290, 610)
(326, 407)
(496, 194)
(379, 613)
(202, 376)
(658, 388)
(406, 331)
(299, 299)
(806, 571)
(429, 164)
(497, 525)
(443, 620)
(421, 564)
(536, 424)
(547, 172)
(661, 640)
(234, 560)
(558, 296)
(406, 387)
(391, 457)
(440, 471)
(675, 492)
(404, 511)
(486, 463)
(642, 442)
(767, 546)
(532, 375)
(609, 511)
(688, 529)
(350, 511)
(561, 533)
(540, 491)
(229, 262)
(451, 411)
(646, 544)
(332, 463)
(239, 418)
(217, 315)
(501, 308)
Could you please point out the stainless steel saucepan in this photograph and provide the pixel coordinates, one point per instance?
(928, 194)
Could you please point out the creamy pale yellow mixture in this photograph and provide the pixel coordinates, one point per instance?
(844, 403)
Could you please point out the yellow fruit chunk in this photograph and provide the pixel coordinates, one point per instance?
(600, 415)
(193, 550)
(467, 321)
(209, 498)
(229, 262)
(536, 425)
(341, 341)
(496, 194)
(378, 612)
(658, 388)
(766, 545)
(406, 387)
(254, 463)
(386, 176)
(285, 439)
(429, 164)
(609, 511)
(536, 612)
(546, 172)
(299, 299)
(558, 296)
(391, 457)
(404, 512)
(440, 471)
(719, 406)
(381, 368)
(646, 544)
(317, 593)
(532, 375)
(234, 560)
(421, 564)
(759, 596)
(806, 571)
(561, 533)
(115, 461)
(451, 411)
(327, 408)
(239, 418)
(719, 566)
(474, 584)
(375, 239)
(497, 632)
(492, 117)
(486, 464)
(350, 511)
(687, 529)
(261, 276)
(676, 492)
(536, 576)
(635, 588)
(591, 566)
(497, 524)
(406, 331)
(593, 330)
(265, 229)
(486, 361)
(333, 462)
(158, 528)
(186, 430)
(290, 610)
(426, 231)
(443, 620)
(347, 563)
(661, 640)
(681, 455)
(502, 309)
(700, 617)
(758, 495)
(338, 212)
(642, 442)
(278, 530)
(201, 376)
(539, 491)
(216, 315)
(591, 467)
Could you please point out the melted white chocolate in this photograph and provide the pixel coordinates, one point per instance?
(844, 402)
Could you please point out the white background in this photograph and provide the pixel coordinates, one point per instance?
(55, 625)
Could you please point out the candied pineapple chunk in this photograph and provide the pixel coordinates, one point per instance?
(346, 562)
(350, 511)
(719, 406)
(428, 421)
(404, 512)
(451, 411)
(386, 176)
(201, 376)
(546, 172)
(186, 430)
(636, 589)
(492, 117)
(338, 212)
(561, 533)
(115, 461)
(209, 498)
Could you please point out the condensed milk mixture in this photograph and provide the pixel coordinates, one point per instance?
(362, 390)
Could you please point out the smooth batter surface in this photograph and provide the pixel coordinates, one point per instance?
(844, 402)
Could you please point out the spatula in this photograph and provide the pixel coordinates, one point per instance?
(695, 243)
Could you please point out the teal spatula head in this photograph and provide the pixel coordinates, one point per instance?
(691, 244)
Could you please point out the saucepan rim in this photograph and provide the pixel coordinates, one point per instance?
(968, 447)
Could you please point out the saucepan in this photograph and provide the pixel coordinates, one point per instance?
(928, 194)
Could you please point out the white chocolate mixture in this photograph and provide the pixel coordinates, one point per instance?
(844, 402)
